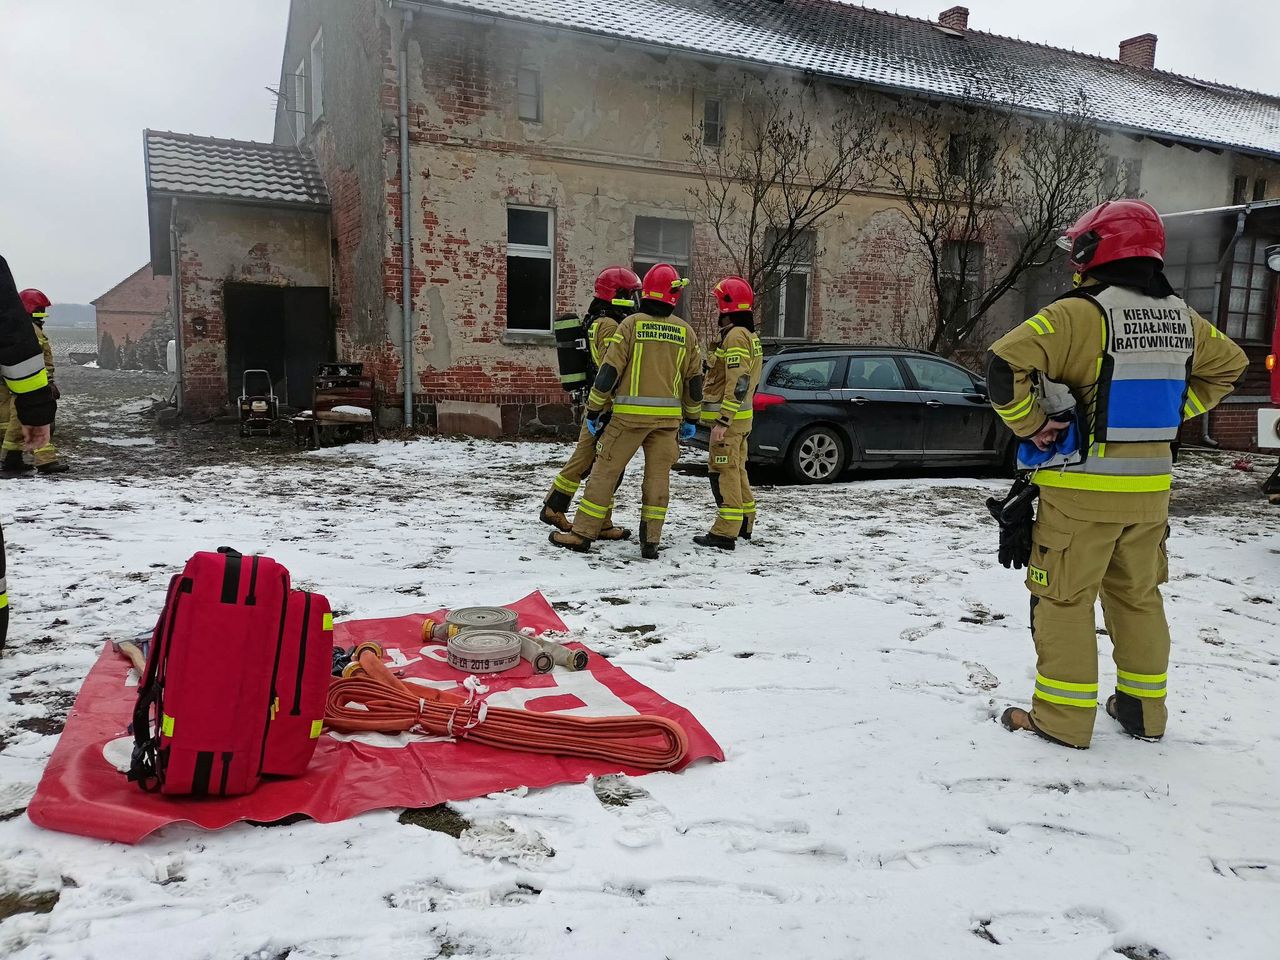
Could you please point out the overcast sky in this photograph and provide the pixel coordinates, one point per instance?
(81, 79)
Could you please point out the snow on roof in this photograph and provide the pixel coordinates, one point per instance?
(237, 170)
(891, 51)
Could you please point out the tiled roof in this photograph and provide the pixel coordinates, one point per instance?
(237, 170)
(890, 51)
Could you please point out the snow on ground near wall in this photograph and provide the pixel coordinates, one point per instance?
(851, 661)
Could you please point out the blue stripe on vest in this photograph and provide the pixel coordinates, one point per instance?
(1145, 403)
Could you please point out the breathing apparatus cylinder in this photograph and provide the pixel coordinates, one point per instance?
(573, 353)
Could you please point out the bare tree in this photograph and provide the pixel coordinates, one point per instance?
(986, 190)
(765, 189)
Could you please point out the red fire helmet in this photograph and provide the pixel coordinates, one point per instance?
(663, 283)
(734, 295)
(1114, 230)
(618, 286)
(34, 302)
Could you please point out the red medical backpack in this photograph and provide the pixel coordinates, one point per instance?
(236, 679)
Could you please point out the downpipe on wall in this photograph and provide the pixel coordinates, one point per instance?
(175, 294)
(406, 229)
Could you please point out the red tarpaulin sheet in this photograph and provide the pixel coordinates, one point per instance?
(83, 792)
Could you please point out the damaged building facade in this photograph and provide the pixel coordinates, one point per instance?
(482, 160)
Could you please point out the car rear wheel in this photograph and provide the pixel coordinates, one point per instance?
(817, 456)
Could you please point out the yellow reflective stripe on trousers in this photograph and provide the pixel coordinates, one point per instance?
(749, 508)
(1149, 685)
(592, 509)
(729, 513)
(565, 485)
(653, 513)
(1067, 693)
(1068, 480)
(4, 600)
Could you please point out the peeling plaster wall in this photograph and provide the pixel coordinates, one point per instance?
(355, 146)
(609, 148)
(222, 243)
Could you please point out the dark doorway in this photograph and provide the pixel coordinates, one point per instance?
(287, 331)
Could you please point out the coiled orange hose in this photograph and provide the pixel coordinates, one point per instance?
(387, 704)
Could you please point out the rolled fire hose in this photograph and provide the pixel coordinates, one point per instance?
(484, 651)
(480, 618)
(373, 699)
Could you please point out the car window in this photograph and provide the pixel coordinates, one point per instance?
(936, 375)
(803, 374)
(874, 373)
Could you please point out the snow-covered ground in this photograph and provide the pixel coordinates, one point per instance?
(851, 661)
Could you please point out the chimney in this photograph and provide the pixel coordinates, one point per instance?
(1139, 51)
(956, 18)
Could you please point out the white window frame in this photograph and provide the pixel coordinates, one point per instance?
(537, 77)
(532, 252)
(780, 321)
(316, 77)
(298, 107)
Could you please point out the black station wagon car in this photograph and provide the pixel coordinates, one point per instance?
(822, 409)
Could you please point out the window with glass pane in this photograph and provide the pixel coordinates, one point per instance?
(1192, 268)
(961, 276)
(299, 103)
(803, 374)
(874, 373)
(712, 122)
(530, 268)
(529, 94)
(664, 241)
(938, 376)
(317, 77)
(785, 300)
(1250, 299)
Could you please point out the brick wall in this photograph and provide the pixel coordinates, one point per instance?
(1233, 425)
(134, 320)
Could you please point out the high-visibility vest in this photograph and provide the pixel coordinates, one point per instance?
(1145, 350)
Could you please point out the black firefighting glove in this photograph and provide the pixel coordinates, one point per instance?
(1015, 514)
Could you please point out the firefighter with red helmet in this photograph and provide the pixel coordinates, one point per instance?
(732, 378)
(22, 365)
(617, 294)
(1097, 384)
(651, 379)
(46, 456)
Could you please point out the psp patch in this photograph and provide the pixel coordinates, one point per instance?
(1038, 576)
(721, 459)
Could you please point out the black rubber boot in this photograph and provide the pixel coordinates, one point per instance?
(648, 551)
(58, 466)
(1127, 711)
(747, 527)
(13, 465)
(715, 540)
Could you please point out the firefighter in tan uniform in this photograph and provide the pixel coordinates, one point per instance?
(45, 456)
(1135, 361)
(617, 293)
(731, 384)
(652, 374)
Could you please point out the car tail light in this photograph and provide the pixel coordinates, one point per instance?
(1271, 361)
(763, 401)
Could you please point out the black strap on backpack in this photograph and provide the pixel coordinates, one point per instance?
(146, 765)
